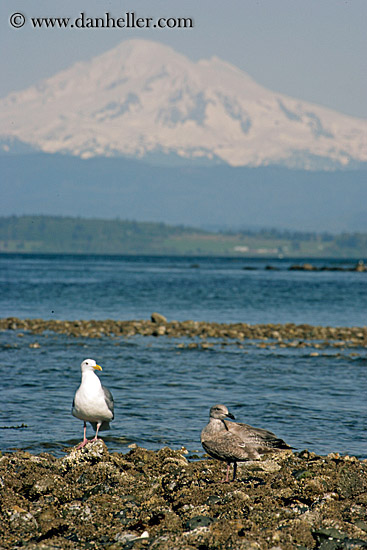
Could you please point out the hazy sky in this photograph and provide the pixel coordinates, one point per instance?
(314, 50)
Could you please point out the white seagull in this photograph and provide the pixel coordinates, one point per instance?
(92, 402)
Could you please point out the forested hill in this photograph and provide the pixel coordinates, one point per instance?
(95, 236)
(48, 234)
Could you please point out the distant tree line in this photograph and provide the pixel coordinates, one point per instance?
(57, 234)
(66, 234)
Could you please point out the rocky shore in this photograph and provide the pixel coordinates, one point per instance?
(91, 499)
(202, 333)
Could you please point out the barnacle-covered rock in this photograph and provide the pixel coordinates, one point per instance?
(160, 500)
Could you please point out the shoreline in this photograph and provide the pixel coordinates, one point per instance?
(158, 499)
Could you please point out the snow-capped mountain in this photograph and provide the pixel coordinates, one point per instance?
(142, 99)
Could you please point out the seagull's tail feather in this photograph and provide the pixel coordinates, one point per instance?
(104, 426)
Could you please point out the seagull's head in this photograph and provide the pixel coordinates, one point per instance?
(89, 365)
(220, 412)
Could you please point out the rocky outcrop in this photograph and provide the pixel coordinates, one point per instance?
(202, 333)
(166, 500)
(158, 318)
(359, 267)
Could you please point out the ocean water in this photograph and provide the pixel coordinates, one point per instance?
(162, 391)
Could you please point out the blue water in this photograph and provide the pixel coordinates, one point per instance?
(163, 392)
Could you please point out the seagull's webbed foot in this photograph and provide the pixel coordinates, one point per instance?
(83, 444)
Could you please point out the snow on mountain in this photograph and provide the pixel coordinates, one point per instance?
(143, 98)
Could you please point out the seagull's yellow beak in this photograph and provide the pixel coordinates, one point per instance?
(97, 367)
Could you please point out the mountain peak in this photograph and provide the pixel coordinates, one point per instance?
(144, 52)
(143, 98)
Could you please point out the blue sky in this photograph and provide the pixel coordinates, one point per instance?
(311, 49)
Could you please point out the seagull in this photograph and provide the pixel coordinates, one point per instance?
(233, 442)
(92, 402)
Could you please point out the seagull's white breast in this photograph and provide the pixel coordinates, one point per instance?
(89, 401)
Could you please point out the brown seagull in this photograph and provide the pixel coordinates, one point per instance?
(233, 442)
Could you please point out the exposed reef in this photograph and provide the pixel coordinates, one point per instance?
(161, 500)
(202, 334)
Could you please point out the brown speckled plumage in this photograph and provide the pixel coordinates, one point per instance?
(233, 442)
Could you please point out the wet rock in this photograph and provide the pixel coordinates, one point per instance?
(159, 331)
(146, 499)
(284, 336)
(198, 521)
(158, 318)
(303, 267)
(91, 453)
(21, 520)
(34, 345)
(361, 267)
(302, 474)
(332, 539)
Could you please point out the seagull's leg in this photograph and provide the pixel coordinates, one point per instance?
(95, 438)
(85, 440)
(234, 470)
(227, 476)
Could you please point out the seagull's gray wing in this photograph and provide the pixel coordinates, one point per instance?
(109, 400)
